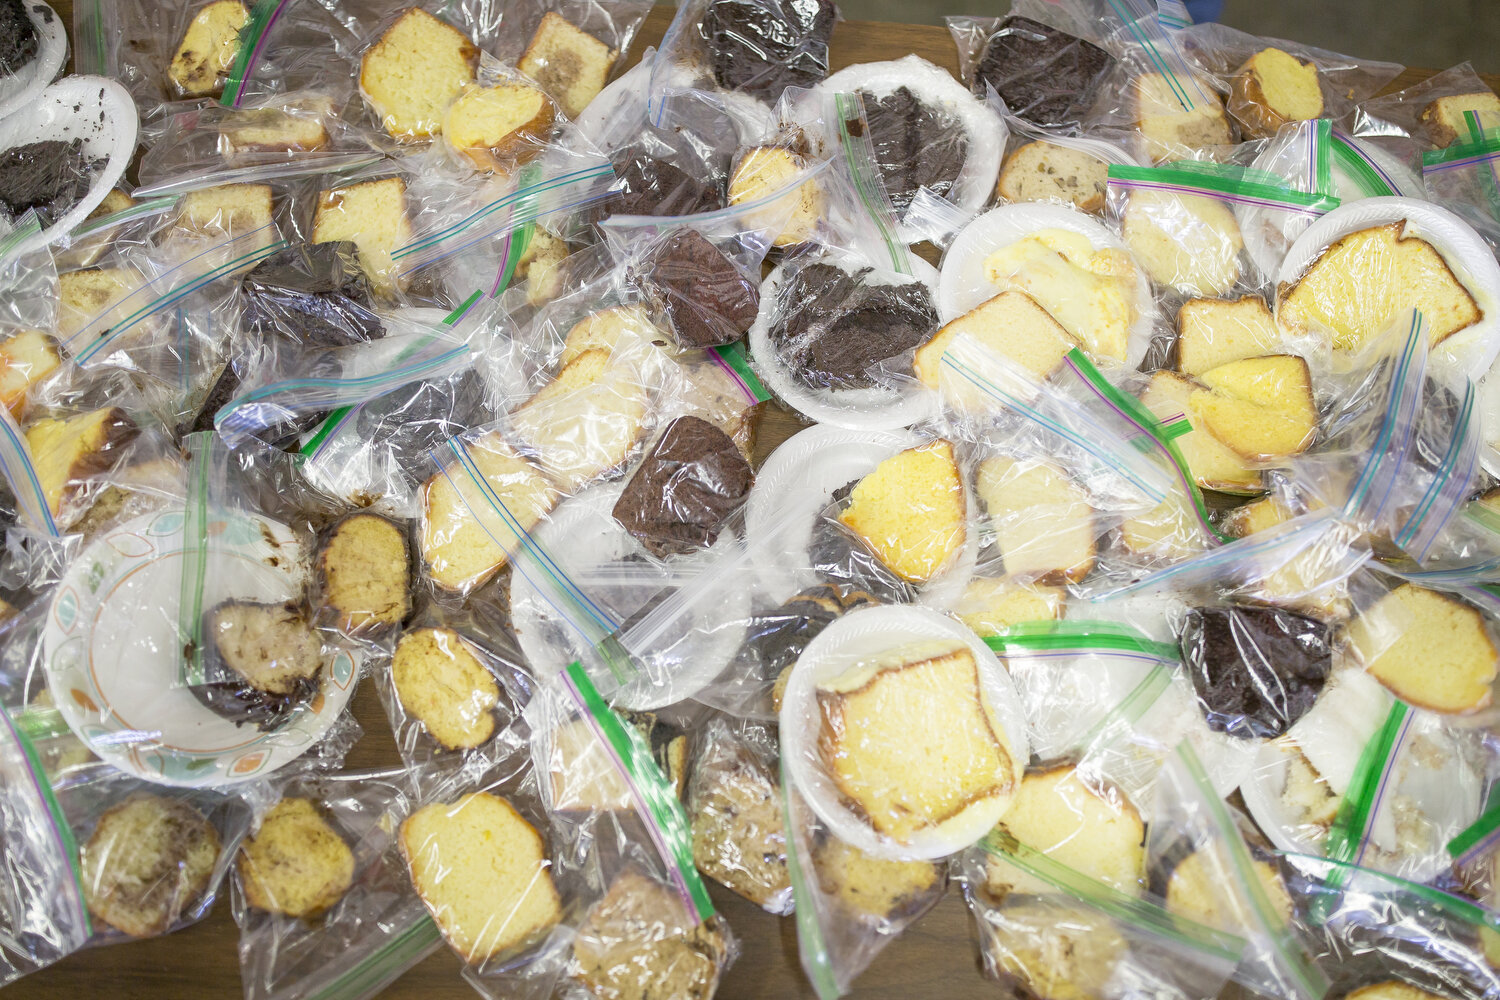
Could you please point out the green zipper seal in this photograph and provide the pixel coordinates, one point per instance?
(1198, 180)
(1080, 635)
(1483, 515)
(195, 559)
(54, 808)
(1309, 977)
(1364, 176)
(1323, 158)
(1482, 829)
(250, 43)
(1128, 911)
(1347, 834)
(734, 357)
(663, 810)
(811, 943)
(859, 156)
(1447, 905)
(377, 970)
(32, 226)
(332, 422)
(1135, 411)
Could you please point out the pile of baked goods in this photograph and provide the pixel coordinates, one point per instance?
(1073, 480)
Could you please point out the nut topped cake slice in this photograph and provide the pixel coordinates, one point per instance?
(910, 741)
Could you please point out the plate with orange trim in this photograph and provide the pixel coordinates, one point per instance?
(110, 651)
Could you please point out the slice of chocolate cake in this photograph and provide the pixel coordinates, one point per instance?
(916, 146)
(1255, 670)
(260, 661)
(837, 326)
(315, 294)
(50, 176)
(650, 185)
(762, 47)
(1044, 75)
(707, 301)
(685, 489)
(19, 41)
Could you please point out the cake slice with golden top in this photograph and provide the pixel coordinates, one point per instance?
(441, 683)
(414, 71)
(1447, 121)
(68, 451)
(911, 511)
(225, 210)
(1168, 395)
(1011, 325)
(483, 872)
(1273, 88)
(1360, 283)
(911, 742)
(26, 358)
(1262, 408)
(990, 605)
(364, 573)
(570, 64)
(1428, 648)
(764, 170)
(296, 864)
(500, 127)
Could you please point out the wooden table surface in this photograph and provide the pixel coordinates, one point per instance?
(933, 959)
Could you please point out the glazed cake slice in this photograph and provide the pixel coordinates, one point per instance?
(483, 873)
(1355, 287)
(68, 452)
(260, 661)
(911, 511)
(910, 743)
(764, 170)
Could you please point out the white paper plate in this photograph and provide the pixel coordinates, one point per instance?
(797, 483)
(1270, 234)
(858, 637)
(1471, 259)
(961, 280)
(19, 89)
(585, 540)
(91, 108)
(877, 408)
(935, 87)
(112, 670)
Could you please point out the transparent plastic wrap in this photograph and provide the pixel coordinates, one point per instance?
(1443, 109)
(321, 892)
(1182, 222)
(300, 131)
(150, 860)
(1274, 82)
(926, 131)
(1462, 179)
(759, 48)
(46, 917)
(1045, 75)
(1050, 165)
(569, 867)
(1092, 293)
(849, 905)
(735, 807)
(903, 733)
(1399, 452)
(1379, 934)
(1050, 929)
(1205, 860)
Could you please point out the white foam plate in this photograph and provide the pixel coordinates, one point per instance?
(859, 637)
(1471, 259)
(91, 108)
(878, 408)
(1270, 234)
(19, 89)
(585, 540)
(111, 663)
(796, 484)
(961, 280)
(935, 87)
